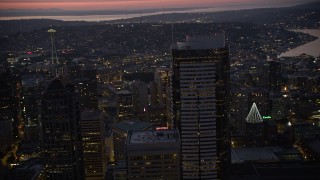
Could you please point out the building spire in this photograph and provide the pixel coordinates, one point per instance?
(254, 116)
(54, 55)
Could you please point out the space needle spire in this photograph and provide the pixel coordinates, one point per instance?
(54, 55)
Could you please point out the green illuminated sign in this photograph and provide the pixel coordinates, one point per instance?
(266, 117)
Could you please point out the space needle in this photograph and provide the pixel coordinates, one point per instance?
(54, 55)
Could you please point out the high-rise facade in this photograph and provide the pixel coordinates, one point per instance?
(60, 116)
(125, 108)
(200, 105)
(275, 77)
(238, 110)
(153, 154)
(161, 77)
(7, 107)
(120, 133)
(31, 89)
(254, 127)
(139, 94)
(94, 149)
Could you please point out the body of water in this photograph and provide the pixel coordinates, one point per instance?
(109, 17)
(311, 48)
(89, 18)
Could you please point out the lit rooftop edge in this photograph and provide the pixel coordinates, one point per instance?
(142, 137)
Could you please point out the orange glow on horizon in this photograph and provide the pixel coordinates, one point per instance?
(126, 4)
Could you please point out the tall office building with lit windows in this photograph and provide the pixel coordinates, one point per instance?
(153, 154)
(200, 105)
(93, 141)
(60, 116)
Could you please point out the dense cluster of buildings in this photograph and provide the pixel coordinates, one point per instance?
(200, 116)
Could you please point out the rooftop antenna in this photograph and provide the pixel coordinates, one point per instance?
(171, 32)
(127, 14)
(162, 17)
(54, 54)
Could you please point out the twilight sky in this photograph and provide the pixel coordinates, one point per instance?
(131, 4)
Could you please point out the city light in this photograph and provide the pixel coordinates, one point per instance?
(169, 92)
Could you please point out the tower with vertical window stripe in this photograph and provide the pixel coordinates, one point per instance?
(200, 105)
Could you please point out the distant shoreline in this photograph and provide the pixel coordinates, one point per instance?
(311, 48)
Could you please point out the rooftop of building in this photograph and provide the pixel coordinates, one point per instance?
(305, 73)
(30, 169)
(315, 146)
(201, 42)
(91, 114)
(163, 69)
(60, 83)
(28, 147)
(154, 136)
(31, 80)
(124, 92)
(108, 134)
(132, 125)
(254, 154)
(278, 170)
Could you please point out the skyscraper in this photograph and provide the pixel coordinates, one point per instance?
(254, 126)
(60, 116)
(275, 75)
(125, 108)
(7, 107)
(200, 95)
(161, 77)
(120, 133)
(94, 150)
(153, 154)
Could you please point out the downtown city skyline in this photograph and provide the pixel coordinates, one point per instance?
(155, 89)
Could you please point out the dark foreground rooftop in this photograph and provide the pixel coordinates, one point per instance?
(276, 171)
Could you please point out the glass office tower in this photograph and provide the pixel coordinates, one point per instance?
(200, 105)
